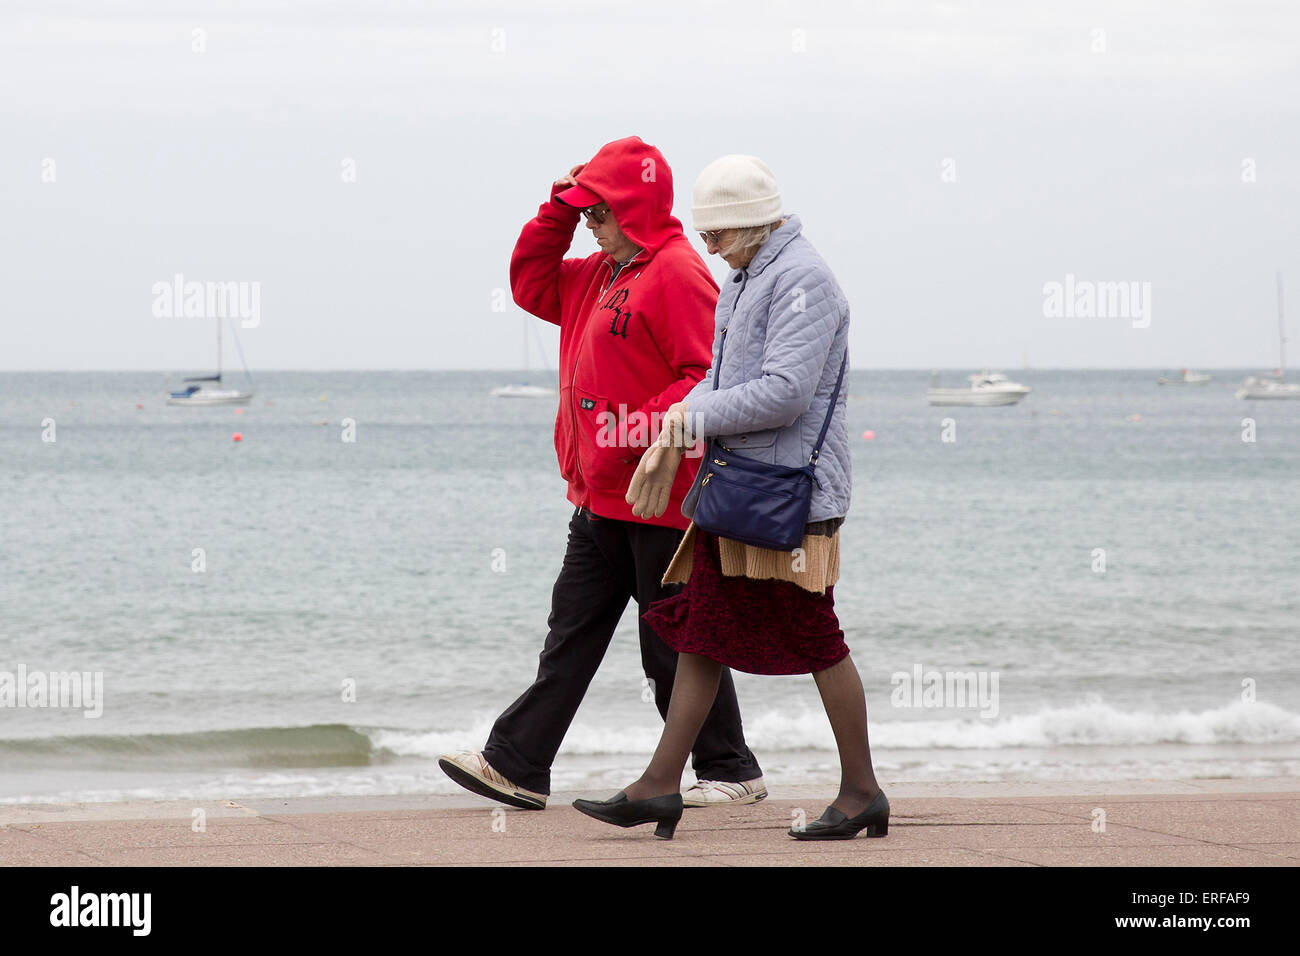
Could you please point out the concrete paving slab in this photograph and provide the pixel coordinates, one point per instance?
(1197, 826)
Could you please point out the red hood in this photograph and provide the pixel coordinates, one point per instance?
(634, 178)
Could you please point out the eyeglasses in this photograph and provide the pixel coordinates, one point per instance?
(713, 237)
(597, 213)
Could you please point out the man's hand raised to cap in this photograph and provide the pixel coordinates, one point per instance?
(568, 179)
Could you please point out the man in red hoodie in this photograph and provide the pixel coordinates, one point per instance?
(636, 334)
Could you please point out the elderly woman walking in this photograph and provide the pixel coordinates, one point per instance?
(773, 397)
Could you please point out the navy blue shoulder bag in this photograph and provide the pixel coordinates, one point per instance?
(752, 501)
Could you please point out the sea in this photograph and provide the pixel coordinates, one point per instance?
(323, 591)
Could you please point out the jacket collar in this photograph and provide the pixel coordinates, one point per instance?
(775, 243)
(638, 260)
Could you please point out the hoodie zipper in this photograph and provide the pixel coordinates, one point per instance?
(573, 379)
(613, 276)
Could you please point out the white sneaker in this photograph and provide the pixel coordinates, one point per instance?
(475, 774)
(716, 793)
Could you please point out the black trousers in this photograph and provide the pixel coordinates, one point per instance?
(607, 563)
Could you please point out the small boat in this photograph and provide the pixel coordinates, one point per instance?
(986, 388)
(1188, 377)
(1268, 385)
(201, 394)
(521, 390)
(1254, 387)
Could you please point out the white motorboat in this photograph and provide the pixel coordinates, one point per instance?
(1268, 385)
(202, 394)
(986, 388)
(1188, 377)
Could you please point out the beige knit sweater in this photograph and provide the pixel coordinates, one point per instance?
(814, 565)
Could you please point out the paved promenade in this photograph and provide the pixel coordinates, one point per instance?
(1147, 823)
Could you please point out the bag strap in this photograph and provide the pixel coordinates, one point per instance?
(830, 410)
(717, 366)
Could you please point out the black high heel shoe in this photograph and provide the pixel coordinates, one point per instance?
(665, 811)
(834, 825)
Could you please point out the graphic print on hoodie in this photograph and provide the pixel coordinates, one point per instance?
(633, 340)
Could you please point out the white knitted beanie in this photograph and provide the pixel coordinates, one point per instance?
(734, 192)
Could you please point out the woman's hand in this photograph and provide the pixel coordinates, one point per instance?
(652, 484)
(673, 427)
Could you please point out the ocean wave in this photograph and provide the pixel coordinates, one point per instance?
(317, 745)
(1092, 723)
(1096, 723)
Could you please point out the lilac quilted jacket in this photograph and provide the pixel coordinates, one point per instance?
(787, 325)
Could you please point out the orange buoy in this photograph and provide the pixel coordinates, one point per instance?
(239, 411)
(237, 436)
(868, 435)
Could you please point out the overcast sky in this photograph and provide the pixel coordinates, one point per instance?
(948, 160)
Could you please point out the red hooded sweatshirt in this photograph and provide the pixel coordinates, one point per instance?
(630, 349)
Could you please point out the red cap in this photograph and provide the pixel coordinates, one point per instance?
(579, 197)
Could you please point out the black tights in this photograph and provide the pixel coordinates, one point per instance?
(696, 685)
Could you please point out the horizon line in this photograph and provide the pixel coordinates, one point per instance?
(518, 371)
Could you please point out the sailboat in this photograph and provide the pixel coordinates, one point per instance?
(1266, 384)
(200, 394)
(523, 389)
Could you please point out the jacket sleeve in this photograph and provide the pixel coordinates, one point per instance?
(538, 269)
(681, 324)
(801, 327)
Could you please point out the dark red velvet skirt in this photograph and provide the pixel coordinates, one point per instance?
(759, 627)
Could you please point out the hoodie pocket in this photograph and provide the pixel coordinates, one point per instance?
(605, 463)
(565, 454)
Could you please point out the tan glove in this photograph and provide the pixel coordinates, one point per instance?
(652, 484)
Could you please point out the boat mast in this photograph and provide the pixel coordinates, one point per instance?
(218, 348)
(1281, 327)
